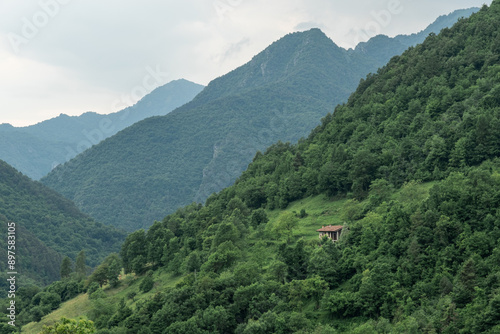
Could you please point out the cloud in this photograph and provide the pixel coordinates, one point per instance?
(303, 26)
(88, 52)
(235, 48)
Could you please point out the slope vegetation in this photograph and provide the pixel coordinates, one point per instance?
(48, 227)
(414, 256)
(163, 163)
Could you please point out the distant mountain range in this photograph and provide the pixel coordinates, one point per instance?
(162, 163)
(48, 227)
(35, 150)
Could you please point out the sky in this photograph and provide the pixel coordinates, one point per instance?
(74, 56)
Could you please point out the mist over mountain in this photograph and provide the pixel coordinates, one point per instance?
(35, 150)
(157, 165)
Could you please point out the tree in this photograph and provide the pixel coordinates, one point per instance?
(375, 288)
(237, 203)
(226, 231)
(133, 248)
(107, 271)
(380, 190)
(302, 291)
(47, 299)
(147, 282)
(7, 329)
(101, 311)
(324, 262)
(184, 327)
(278, 271)
(193, 262)
(464, 289)
(100, 275)
(287, 221)
(80, 265)
(66, 269)
(114, 269)
(224, 257)
(121, 314)
(296, 258)
(156, 238)
(258, 217)
(363, 168)
(216, 320)
(70, 326)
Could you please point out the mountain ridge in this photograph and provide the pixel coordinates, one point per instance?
(38, 148)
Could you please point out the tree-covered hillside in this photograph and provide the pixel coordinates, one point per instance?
(35, 150)
(48, 227)
(163, 163)
(409, 166)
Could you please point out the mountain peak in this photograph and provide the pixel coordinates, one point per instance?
(293, 52)
(382, 47)
(6, 126)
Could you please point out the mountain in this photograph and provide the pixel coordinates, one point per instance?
(382, 48)
(162, 163)
(156, 166)
(35, 150)
(409, 168)
(48, 227)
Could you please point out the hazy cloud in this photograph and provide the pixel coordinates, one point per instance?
(73, 56)
(304, 26)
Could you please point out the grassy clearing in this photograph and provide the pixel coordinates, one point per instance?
(73, 308)
(80, 306)
(319, 211)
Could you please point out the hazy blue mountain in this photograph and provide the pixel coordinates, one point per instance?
(382, 48)
(36, 149)
(162, 163)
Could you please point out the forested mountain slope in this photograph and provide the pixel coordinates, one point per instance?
(35, 150)
(160, 164)
(48, 227)
(409, 167)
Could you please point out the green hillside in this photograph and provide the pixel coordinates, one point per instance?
(163, 163)
(409, 167)
(48, 227)
(35, 150)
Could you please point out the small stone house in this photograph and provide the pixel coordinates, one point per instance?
(332, 232)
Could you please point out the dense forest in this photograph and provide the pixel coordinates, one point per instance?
(411, 164)
(48, 227)
(160, 164)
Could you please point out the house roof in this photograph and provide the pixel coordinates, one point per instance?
(330, 228)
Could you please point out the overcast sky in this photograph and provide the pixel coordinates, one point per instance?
(73, 56)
